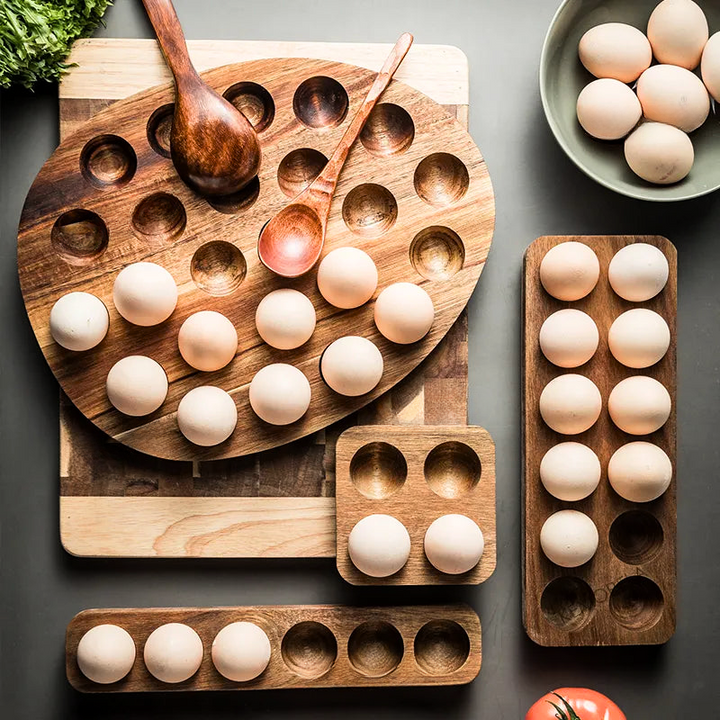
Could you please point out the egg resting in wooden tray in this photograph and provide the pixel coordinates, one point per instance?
(311, 646)
(626, 594)
(415, 194)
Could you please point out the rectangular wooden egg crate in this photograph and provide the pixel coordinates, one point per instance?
(312, 646)
(626, 594)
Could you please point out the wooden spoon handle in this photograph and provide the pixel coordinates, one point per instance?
(329, 176)
(170, 35)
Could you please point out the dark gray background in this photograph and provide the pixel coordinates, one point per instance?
(538, 192)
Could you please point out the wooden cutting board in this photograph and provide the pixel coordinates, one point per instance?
(280, 503)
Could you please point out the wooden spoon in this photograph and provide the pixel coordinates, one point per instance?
(214, 148)
(291, 243)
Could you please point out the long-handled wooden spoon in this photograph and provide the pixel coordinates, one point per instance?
(214, 148)
(291, 243)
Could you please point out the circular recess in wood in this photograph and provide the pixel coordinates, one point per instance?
(298, 169)
(369, 210)
(452, 469)
(441, 179)
(375, 648)
(159, 218)
(79, 236)
(320, 102)
(441, 647)
(254, 102)
(637, 603)
(437, 253)
(218, 268)
(309, 649)
(159, 127)
(238, 202)
(568, 603)
(108, 161)
(378, 470)
(636, 537)
(388, 131)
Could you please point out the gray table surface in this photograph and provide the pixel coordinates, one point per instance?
(538, 192)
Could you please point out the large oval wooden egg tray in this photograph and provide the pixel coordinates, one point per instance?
(415, 194)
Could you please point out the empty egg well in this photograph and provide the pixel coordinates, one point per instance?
(254, 102)
(452, 469)
(159, 218)
(238, 201)
(218, 268)
(375, 648)
(320, 102)
(298, 169)
(636, 603)
(309, 649)
(108, 161)
(568, 603)
(159, 128)
(388, 131)
(636, 537)
(369, 210)
(378, 470)
(79, 236)
(441, 179)
(441, 647)
(437, 253)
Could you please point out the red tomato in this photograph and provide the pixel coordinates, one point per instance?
(575, 704)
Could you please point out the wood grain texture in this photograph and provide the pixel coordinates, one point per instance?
(416, 474)
(607, 601)
(155, 217)
(396, 641)
(97, 473)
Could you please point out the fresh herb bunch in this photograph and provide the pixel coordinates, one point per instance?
(36, 36)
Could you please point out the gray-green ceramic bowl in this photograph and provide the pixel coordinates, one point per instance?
(562, 77)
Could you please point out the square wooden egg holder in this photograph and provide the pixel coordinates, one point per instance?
(312, 646)
(415, 474)
(625, 595)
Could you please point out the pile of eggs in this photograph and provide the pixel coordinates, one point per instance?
(571, 403)
(146, 294)
(669, 98)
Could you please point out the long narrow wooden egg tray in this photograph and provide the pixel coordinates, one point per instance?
(416, 475)
(312, 646)
(625, 595)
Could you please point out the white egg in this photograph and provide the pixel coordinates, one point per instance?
(280, 394)
(678, 31)
(608, 109)
(569, 338)
(285, 319)
(639, 338)
(352, 365)
(638, 272)
(105, 654)
(207, 341)
(136, 385)
(79, 321)
(404, 313)
(640, 471)
(454, 544)
(145, 293)
(615, 50)
(674, 96)
(570, 404)
(710, 66)
(173, 653)
(379, 545)
(570, 471)
(569, 538)
(241, 651)
(639, 405)
(207, 415)
(347, 277)
(569, 271)
(659, 153)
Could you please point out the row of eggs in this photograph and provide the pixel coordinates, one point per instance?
(146, 294)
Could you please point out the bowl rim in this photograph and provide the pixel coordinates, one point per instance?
(559, 137)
